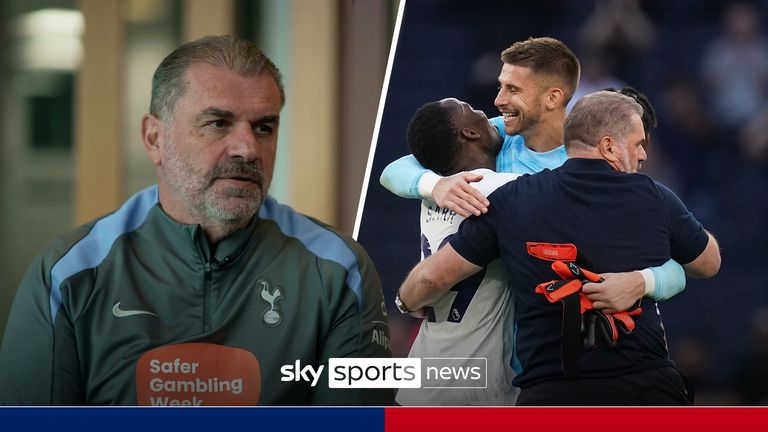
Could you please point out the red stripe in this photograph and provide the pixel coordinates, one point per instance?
(638, 419)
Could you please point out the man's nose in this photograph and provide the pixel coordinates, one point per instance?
(243, 142)
(501, 99)
(641, 154)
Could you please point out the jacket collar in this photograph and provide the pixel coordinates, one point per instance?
(191, 239)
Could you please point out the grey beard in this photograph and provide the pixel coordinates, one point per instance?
(215, 212)
(213, 209)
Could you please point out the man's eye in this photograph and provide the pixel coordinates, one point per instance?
(218, 124)
(263, 129)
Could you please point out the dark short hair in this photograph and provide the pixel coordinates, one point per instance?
(649, 114)
(237, 55)
(546, 55)
(433, 138)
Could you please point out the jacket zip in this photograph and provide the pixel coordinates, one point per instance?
(207, 297)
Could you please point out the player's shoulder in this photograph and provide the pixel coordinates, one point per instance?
(489, 173)
(87, 245)
(316, 237)
(665, 194)
(492, 180)
(524, 186)
(60, 245)
(651, 185)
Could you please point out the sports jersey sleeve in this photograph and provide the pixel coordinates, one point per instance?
(476, 240)
(38, 358)
(687, 236)
(358, 329)
(402, 176)
(669, 280)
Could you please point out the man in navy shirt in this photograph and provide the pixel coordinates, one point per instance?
(620, 219)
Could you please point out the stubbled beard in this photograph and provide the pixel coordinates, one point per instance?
(225, 207)
(249, 200)
(531, 119)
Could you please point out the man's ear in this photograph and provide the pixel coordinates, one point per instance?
(554, 98)
(152, 133)
(470, 134)
(607, 148)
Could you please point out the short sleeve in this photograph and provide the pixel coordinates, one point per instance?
(687, 236)
(476, 239)
(401, 177)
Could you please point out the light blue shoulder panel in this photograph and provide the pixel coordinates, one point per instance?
(317, 239)
(94, 247)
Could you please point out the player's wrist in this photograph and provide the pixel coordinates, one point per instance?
(650, 281)
(400, 305)
(427, 184)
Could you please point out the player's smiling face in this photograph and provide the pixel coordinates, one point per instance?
(519, 98)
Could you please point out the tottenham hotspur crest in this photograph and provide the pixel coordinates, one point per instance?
(272, 315)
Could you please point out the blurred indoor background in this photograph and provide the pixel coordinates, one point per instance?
(704, 65)
(75, 80)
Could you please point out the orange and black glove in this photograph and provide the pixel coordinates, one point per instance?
(582, 323)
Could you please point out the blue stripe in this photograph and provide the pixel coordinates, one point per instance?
(319, 240)
(94, 247)
(126, 419)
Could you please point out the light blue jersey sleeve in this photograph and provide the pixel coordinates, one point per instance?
(669, 280)
(402, 176)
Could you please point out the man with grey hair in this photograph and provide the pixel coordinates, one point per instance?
(605, 115)
(201, 290)
(598, 213)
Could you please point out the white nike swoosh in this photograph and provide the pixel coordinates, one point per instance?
(119, 313)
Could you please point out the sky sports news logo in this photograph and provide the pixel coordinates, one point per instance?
(393, 373)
